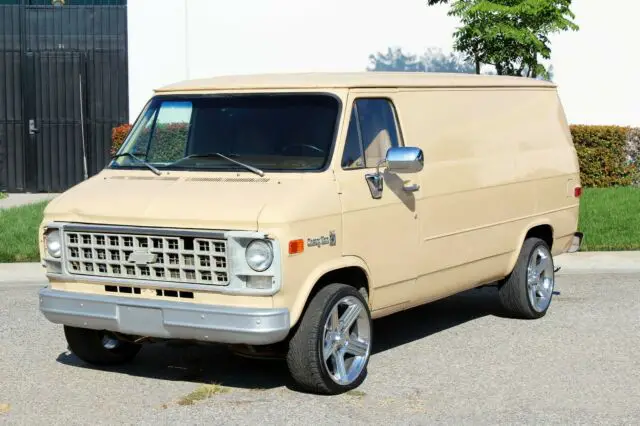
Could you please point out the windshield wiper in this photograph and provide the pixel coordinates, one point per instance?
(217, 154)
(128, 154)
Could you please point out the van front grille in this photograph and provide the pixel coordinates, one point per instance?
(176, 259)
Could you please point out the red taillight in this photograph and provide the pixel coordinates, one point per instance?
(577, 191)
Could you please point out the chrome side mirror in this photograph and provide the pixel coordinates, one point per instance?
(404, 159)
(401, 159)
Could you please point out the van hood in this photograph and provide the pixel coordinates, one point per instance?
(231, 202)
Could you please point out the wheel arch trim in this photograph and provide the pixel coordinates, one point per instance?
(307, 288)
(523, 235)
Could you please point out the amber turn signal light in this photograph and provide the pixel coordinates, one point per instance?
(296, 246)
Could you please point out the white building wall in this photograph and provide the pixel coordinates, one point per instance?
(170, 40)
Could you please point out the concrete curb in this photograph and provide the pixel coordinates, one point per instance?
(620, 262)
(601, 262)
(21, 272)
(16, 200)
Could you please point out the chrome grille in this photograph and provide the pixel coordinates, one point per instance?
(193, 260)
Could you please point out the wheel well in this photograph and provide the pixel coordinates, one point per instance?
(353, 276)
(544, 232)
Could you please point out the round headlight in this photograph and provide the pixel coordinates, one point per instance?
(54, 245)
(259, 255)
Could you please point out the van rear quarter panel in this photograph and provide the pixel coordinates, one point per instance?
(498, 161)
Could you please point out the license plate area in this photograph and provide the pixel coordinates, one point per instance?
(141, 321)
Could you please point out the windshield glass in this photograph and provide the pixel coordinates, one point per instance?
(277, 132)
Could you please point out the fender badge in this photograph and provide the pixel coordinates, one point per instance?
(323, 240)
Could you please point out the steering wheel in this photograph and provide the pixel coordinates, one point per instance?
(304, 145)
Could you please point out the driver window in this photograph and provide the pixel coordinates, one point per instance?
(372, 131)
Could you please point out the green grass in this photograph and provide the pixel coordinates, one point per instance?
(19, 233)
(610, 219)
(3, 195)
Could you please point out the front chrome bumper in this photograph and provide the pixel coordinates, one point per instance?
(163, 319)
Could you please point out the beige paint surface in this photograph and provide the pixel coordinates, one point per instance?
(498, 161)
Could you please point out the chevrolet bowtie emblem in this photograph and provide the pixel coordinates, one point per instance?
(141, 258)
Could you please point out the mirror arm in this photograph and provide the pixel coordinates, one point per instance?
(380, 163)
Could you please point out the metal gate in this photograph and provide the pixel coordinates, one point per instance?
(63, 87)
(54, 106)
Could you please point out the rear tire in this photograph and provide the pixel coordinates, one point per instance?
(329, 352)
(527, 292)
(99, 347)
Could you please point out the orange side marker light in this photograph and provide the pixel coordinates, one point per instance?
(296, 246)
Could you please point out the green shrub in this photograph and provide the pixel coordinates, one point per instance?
(633, 145)
(608, 155)
(118, 135)
(169, 141)
(603, 155)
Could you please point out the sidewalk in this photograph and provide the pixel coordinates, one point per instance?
(21, 272)
(14, 200)
(622, 262)
(615, 262)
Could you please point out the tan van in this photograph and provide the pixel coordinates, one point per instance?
(282, 213)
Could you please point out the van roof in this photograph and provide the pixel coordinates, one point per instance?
(350, 80)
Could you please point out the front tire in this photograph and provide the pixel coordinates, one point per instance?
(99, 347)
(330, 350)
(527, 292)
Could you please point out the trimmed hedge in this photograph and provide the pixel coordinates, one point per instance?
(118, 135)
(603, 154)
(633, 145)
(168, 145)
(169, 142)
(608, 155)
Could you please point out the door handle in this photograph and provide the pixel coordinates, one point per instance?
(376, 184)
(32, 127)
(411, 188)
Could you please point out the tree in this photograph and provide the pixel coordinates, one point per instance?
(394, 60)
(435, 60)
(511, 35)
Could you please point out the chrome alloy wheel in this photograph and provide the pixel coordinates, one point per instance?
(540, 279)
(346, 340)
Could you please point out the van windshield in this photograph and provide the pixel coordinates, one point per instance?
(275, 132)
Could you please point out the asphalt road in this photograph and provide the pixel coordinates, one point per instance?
(457, 361)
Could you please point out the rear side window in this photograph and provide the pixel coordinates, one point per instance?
(372, 131)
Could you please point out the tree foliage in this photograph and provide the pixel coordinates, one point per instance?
(433, 60)
(511, 35)
(394, 60)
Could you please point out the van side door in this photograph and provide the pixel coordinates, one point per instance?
(380, 227)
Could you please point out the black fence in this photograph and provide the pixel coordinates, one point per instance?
(63, 87)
